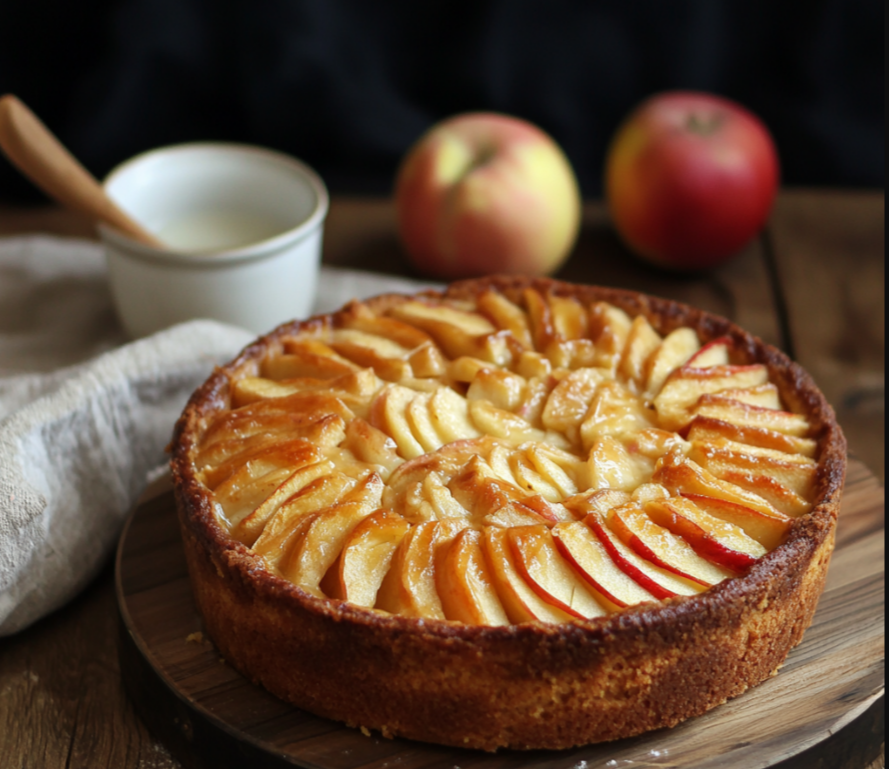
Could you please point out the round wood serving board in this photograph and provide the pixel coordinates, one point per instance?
(210, 715)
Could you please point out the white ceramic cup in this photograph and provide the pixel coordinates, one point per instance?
(245, 227)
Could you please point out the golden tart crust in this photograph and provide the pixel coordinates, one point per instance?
(528, 685)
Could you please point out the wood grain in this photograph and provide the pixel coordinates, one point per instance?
(193, 699)
(829, 256)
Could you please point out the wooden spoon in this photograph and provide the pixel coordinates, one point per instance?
(40, 156)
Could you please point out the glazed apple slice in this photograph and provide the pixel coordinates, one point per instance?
(366, 557)
(569, 317)
(249, 527)
(748, 415)
(711, 430)
(682, 390)
(641, 342)
(715, 540)
(611, 466)
(386, 358)
(713, 353)
(502, 389)
(502, 424)
(586, 553)
(368, 444)
(519, 600)
(360, 317)
(234, 476)
(609, 329)
(322, 540)
(614, 411)
(795, 472)
(540, 319)
(662, 547)
(682, 476)
(661, 583)
(280, 530)
(389, 413)
(506, 316)
(530, 481)
(769, 530)
(538, 560)
(450, 416)
(464, 583)
(306, 357)
(764, 395)
(427, 361)
(569, 401)
(543, 459)
(421, 424)
(675, 349)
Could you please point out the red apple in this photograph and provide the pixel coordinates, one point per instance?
(690, 179)
(484, 193)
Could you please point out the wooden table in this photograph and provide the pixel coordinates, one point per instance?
(812, 284)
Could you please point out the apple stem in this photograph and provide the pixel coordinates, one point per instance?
(704, 124)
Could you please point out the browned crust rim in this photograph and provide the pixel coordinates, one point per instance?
(807, 535)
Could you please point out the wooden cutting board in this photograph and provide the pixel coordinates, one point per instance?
(210, 715)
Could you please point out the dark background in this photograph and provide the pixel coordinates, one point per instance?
(348, 85)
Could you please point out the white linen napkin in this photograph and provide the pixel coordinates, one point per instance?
(85, 416)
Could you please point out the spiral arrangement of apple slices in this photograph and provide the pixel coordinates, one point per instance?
(493, 462)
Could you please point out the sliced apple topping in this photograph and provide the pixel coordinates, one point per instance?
(505, 459)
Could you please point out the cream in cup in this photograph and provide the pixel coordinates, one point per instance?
(243, 227)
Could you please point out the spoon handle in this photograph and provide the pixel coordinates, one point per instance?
(39, 155)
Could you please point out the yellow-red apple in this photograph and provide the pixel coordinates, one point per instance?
(483, 193)
(690, 179)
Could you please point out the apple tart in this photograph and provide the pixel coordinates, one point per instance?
(519, 513)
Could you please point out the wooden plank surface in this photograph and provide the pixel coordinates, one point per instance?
(61, 698)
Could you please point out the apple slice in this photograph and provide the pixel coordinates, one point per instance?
(569, 401)
(464, 582)
(683, 389)
(662, 547)
(569, 317)
(502, 424)
(748, 415)
(533, 365)
(713, 353)
(388, 413)
(611, 466)
(368, 444)
(765, 395)
(682, 476)
(544, 462)
(770, 531)
(506, 316)
(366, 557)
(249, 527)
(427, 361)
(243, 467)
(538, 560)
(661, 583)
(501, 389)
(609, 329)
(409, 586)
(530, 481)
(322, 540)
(519, 600)
(540, 318)
(385, 358)
(614, 411)
(676, 348)
(796, 472)
(280, 531)
(642, 340)
(711, 430)
(421, 424)
(449, 414)
(306, 357)
(720, 542)
(357, 315)
(586, 553)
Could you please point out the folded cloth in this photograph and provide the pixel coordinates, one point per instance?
(85, 416)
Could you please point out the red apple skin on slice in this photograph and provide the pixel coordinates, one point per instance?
(713, 353)
(769, 530)
(519, 600)
(662, 547)
(464, 582)
(541, 564)
(659, 582)
(590, 558)
(715, 540)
